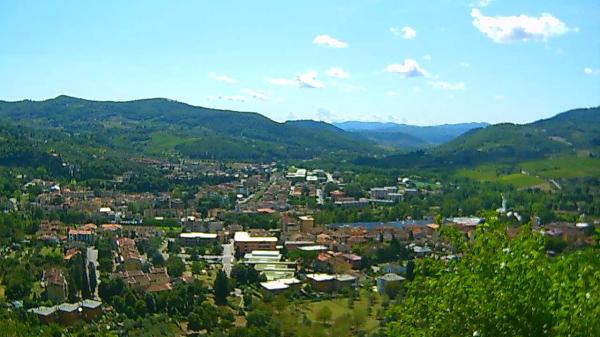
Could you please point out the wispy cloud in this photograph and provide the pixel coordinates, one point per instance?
(304, 80)
(503, 29)
(328, 41)
(259, 95)
(309, 80)
(221, 78)
(409, 68)
(591, 71)
(233, 98)
(407, 32)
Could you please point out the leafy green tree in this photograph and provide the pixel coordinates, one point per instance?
(175, 266)
(221, 288)
(502, 287)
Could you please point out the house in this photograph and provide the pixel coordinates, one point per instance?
(68, 313)
(81, 235)
(244, 243)
(193, 224)
(111, 228)
(345, 281)
(293, 245)
(393, 268)
(129, 256)
(324, 283)
(91, 309)
(155, 280)
(382, 192)
(281, 285)
(353, 259)
(46, 315)
(56, 285)
(307, 223)
(388, 279)
(327, 283)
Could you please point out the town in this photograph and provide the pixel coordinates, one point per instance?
(247, 234)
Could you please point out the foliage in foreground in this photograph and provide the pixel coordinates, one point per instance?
(503, 287)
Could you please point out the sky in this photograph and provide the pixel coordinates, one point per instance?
(416, 62)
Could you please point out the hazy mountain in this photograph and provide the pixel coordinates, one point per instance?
(404, 135)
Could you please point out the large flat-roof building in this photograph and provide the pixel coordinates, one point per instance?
(196, 238)
(244, 243)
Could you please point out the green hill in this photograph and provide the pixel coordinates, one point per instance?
(570, 133)
(158, 126)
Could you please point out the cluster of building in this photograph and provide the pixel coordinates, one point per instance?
(68, 314)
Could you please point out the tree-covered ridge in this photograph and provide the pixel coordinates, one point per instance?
(570, 132)
(502, 286)
(151, 125)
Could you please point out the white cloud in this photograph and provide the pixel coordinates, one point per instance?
(233, 98)
(406, 32)
(464, 65)
(392, 93)
(591, 71)
(502, 29)
(499, 97)
(221, 78)
(328, 41)
(427, 57)
(306, 80)
(309, 80)
(337, 72)
(259, 95)
(447, 85)
(410, 68)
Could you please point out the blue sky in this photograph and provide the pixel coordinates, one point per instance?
(418, 62)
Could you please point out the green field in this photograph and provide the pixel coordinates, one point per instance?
(489, 173)
(165, 142)
(571, 166)
(339, 307)
(536, 171)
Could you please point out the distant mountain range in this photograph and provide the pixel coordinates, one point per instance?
(78, 128)
(405, 136)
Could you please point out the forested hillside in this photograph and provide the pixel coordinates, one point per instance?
(157, 126)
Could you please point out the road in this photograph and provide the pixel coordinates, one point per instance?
(92, 256)
(227, 259)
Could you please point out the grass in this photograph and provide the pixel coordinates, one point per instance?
(1, 292)
(339, 307)
(569, 166)
(164, 142)
(489, 173)
(537, 171)
(49, 251)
